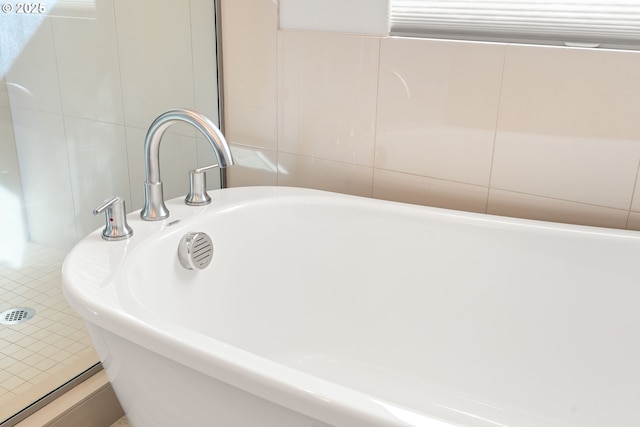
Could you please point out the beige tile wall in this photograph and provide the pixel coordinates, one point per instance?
(538, 132)
(82, 93)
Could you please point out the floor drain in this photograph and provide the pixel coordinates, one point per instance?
(16, 315)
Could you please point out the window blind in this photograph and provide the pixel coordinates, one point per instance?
(614, 23)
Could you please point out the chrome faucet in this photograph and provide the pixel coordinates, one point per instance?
(154, 207)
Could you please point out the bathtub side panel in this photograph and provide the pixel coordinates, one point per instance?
(157, 392)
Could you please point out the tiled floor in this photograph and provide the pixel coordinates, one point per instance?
(42, 353)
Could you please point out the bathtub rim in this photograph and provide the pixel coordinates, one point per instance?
(241, 369)
(236, 367)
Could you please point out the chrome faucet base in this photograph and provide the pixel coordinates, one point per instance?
(154, 208)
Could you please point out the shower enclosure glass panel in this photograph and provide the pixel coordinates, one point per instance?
(80, 81)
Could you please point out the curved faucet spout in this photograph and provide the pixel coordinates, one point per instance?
(154, 208)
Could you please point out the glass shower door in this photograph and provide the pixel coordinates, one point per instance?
(80, 82)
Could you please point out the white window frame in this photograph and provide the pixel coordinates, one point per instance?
(585, 23)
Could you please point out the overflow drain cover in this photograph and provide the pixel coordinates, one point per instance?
(195, 251)
(16, 315)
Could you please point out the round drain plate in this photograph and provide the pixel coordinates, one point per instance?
(16, 315)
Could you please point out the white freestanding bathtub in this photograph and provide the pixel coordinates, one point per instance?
(324, 309)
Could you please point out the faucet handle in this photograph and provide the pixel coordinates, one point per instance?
(116, 227)
(198, 186)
